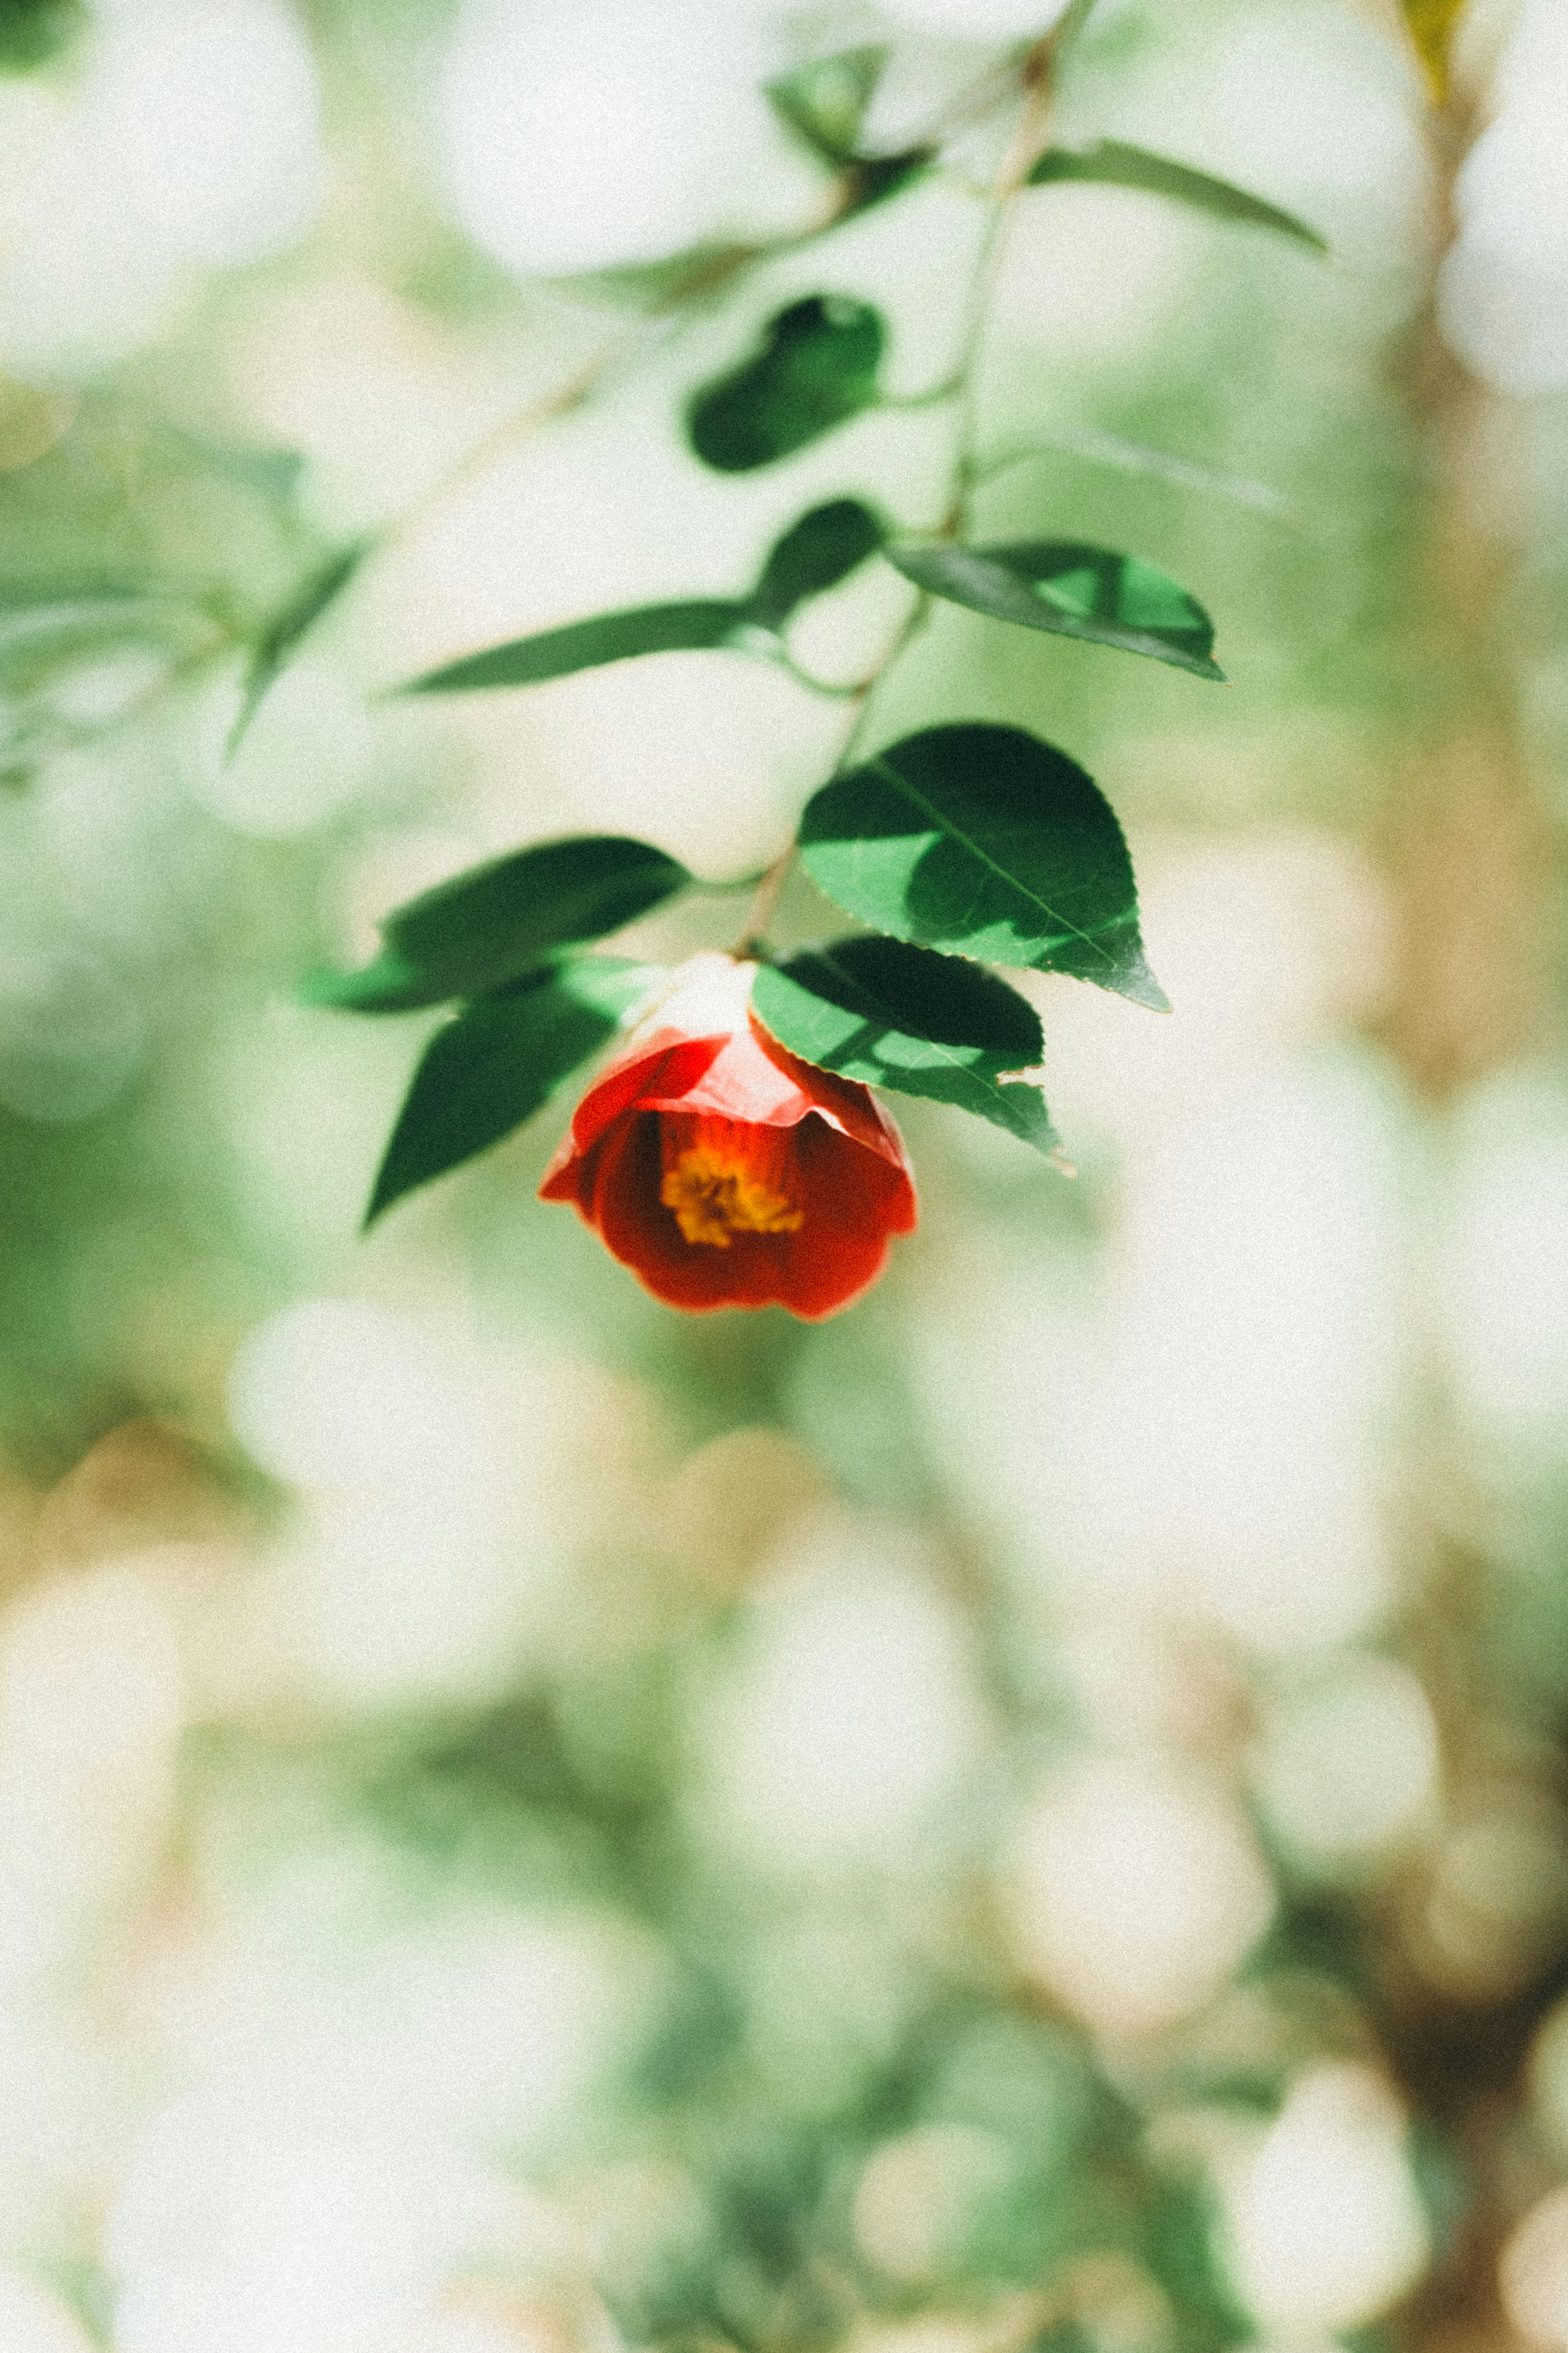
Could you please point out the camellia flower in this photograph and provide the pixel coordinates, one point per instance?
(725, 1172)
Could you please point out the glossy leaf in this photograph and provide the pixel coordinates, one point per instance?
(694, 626)
(1113, 164)
(984, 840)
(814, 555)
(896, 1016)
(283, 632)
(1072, 590)
(816, 368)
(825, 103)
(1433, 24)
(494, 923)
(496, 1062)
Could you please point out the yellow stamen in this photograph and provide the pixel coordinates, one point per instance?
(724, 1177)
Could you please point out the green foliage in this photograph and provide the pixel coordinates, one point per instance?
(497, 1061)
(1072, 590)
(984, 840)
(813, 555)
(1113, 164)
(816, 368)
(901, 1017)
(490, 925)
(282, 633)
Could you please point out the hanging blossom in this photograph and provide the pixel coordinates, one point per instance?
(726, 1172)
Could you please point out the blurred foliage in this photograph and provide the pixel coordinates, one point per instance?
(1030, 1815)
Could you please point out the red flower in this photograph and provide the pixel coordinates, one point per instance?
(724, 1171)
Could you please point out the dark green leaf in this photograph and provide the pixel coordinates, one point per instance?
(816, 554)
(497, 921)
(1111, 164)
(872, 179)
(692, 628)
(1073, 590)
(825, 103)
(486, 1072)
(984, 840)
(31, 31)
(816, 368)
(896, 1016)
(283, 632)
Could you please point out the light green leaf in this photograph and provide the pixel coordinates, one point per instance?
(1072, 590)
(497, 1061)
(1113, 164)
(825, 103)
(984, 840)
(896, 1016)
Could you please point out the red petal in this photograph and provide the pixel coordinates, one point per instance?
(853, 1202)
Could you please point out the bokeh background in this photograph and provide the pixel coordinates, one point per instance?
(1028, 1819)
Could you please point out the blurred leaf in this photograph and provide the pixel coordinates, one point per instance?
(692, 628)
(283, 632)
(32, 31)
(387, 986)
(490, 925)
(825, 103)
(272, 474)
(896, 1016)
(816, 368)
(1113, 163)
(1137, 458)
(491, 1067)
(984, 840)
(1433, 24)
(814, 555)
(1072, 590)
(872, 179)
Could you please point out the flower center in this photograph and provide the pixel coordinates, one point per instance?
(724, 1177)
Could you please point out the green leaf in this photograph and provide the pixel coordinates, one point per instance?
(984, 840)
(692, 627)
(32, 31)
(825, 103)
(283, 632)
(896, 1016)
(491, 1067)
(871, 179)
(1113, 163)
(1072, 590)
(492, 925)
(816, 368)
(814, 555)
